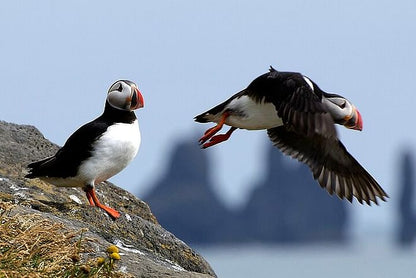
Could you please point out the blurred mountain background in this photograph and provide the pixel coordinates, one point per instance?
(286, 205)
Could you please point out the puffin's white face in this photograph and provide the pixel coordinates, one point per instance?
(124, 95)
(343, 112)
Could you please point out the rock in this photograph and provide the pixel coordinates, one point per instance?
(286, 206)
(406, 232)
(148, 249)
(183, 199)
(289, 206)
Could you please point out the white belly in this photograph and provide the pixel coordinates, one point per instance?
(253, 115)
(113, 151)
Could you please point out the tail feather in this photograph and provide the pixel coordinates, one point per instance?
(38, 168)
(202, 118)
(214, 113)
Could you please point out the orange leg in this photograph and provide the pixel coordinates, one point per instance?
(209, 130)
(92, 198)
(219, 138)
(213, 130)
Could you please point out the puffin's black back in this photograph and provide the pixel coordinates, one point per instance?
(277, 86)
(283, 89)
(78, 147)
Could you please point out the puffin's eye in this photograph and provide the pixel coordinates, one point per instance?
(120, 88)
(342, 105)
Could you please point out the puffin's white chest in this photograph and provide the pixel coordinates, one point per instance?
(112, 152)
(252, 115)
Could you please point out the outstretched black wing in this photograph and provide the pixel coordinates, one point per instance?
(309, 135)
(331, 164)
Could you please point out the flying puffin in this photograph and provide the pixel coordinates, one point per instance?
(299, 118)
(99, 149)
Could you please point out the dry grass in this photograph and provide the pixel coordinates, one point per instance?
(32, 246)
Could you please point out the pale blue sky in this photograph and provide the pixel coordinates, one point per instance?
(59, 58)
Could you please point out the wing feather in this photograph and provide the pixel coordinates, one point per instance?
(331, 164)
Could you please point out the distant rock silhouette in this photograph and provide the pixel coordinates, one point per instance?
(290, 206)
(183, 199)
(407, 217)
(287, 206)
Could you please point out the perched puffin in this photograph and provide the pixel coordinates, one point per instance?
(299, 118)
(99, 149)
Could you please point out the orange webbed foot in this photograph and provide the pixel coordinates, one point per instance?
(93, 200)
(213, 130)
(219, 138)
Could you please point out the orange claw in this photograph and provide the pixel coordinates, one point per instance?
(92, 198)
(213, 130)
(219, 138)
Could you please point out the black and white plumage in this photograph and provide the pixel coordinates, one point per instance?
(299, 118)
(99, 149)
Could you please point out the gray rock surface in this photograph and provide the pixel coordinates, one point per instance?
(148, 250)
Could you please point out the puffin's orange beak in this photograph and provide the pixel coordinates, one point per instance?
(354, 121)
(136, 100)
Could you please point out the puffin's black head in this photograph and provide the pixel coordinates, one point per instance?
(124, 95)
(343, 111)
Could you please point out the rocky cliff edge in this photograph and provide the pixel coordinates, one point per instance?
(146, 249)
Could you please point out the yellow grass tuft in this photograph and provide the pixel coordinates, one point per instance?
(34, 247)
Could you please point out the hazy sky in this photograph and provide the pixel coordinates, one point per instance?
(58, 59)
